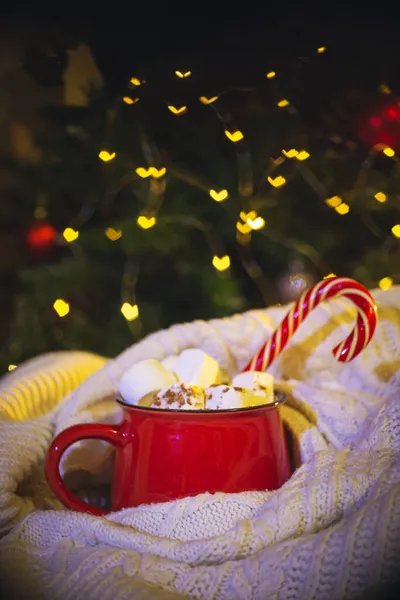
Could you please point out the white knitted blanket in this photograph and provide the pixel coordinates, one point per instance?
(331, 532)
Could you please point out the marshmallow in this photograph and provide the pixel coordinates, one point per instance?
(144, 378)
(170, 362)
(195, 367)
(180, 396)
(222, 397)
(261, 384)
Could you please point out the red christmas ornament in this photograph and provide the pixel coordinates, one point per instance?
(381, 126)
(41, 236)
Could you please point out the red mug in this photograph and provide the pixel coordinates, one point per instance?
(164, 455)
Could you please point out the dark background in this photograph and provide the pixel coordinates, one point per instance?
(124, 36)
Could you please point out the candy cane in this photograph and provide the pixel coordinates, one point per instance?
(324, 290)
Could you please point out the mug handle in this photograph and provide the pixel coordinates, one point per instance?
(108, 433)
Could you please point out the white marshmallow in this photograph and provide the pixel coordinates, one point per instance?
(261, 384)
(180, 396)
(222, 397)
(170, 362)
(143, 378)
(195, 367)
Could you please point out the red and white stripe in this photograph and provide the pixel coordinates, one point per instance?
(324, 290)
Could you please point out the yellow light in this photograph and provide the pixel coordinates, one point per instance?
(61, 307)
(396, 230)
(330, 275)
(290, 153)
(130, 311)
(129, 100)
(219, 196)
(70, 235)
(135, 81)
(257, 224)
(334, 201)
(157, 173)
(221, 263)
(151, 171)
(389, 152)
(278, 181)
(270, 75)
(342, 209)
(106, 156)
(12, 367)
(380, 197)
(182, 75)
(243, 228)
(142, 172)
(321, 50)
(386, 283)
(177, 111)
(302, 155)
(246, 216)
(145, 222)
(282, 103)
(235, 136)
(206, 100)
(113, 234)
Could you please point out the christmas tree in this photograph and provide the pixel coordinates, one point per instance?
(201, 191)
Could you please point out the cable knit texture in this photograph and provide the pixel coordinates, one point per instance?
(331, 532)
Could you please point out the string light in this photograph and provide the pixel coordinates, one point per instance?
(386, 283)
(277, 182)
(243, 228)
(251, 222)
(61, 307)
(290, 153)
(130, 311)
(151, 171)
(219, 196)
(380, 197)
(321, 50)
(177, 111)
(246, 216)
(221, 263)
(11, 367)
(205, 100)
(182, 75)
(389, 152)
(106, 156)
(70, 235)
(396, 230)
(129, 100)
(235, 136)
(113, 234)
(302, 155)
(256, 224)
(334, 201)
(342, 209)
(146, 222)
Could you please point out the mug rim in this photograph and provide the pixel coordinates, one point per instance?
(280, 398)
